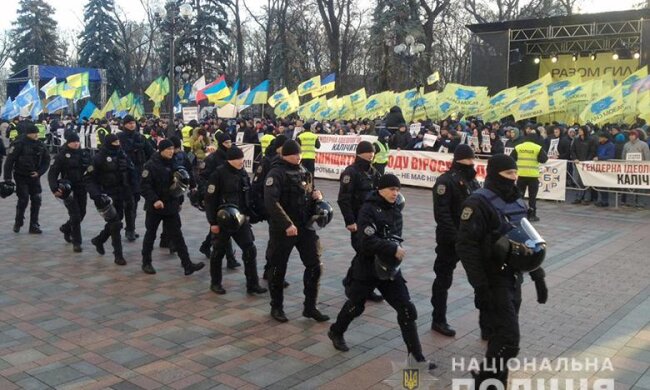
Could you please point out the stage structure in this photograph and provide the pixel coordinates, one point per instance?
(514, 53)
(41, 74)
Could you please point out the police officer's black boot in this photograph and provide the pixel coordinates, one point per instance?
(191, 268)
(338, 341)
(67, 231)
(311, 279)
(438, 320)
(532, 215)
(147, 267)
(216, 259)
(231, 261)
(275, 289)
(116, 241)
(98, 242)
(206, 246)
(34, 227)
(131, 235)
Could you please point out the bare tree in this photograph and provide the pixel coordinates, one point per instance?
(5, 48)
(239, 36)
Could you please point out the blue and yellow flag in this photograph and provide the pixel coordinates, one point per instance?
(259, 94)
(288, 106)
(327, 84)
(358, 98)
(605, 108)
(309, 86)
(278, 97)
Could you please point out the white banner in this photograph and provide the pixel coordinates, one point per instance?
(615, 174)
(421, 168)
(249, 156)
(190, 113)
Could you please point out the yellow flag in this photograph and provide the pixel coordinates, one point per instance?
(605, 108)
(435, 76)
(358, 98)
(533, 105)
(288, 106)
(78, 80)
(278, 97)
(308, 86)
(629, 81)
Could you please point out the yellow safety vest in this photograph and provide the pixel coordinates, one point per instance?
(41, 131)
(381, 157)
(186, 132)
(101, 134)
(265, 141)
(308, 145)
(13, 133)
(527, 164)
(214, 137)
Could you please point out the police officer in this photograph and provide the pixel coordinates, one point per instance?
(289, 197)
(487, 215)
(12, 130)
(70, 164)
(272, 157)
(163, 193)
(138, 150)
(309, 143)
(186, 133)
(376, 265)
(28, 160)
(230, 185)
(357, 182)
(449, 192)
(266, 139)
(180, 160)
(102, 131)
(213, 161)
(528, 155)
(111, 175)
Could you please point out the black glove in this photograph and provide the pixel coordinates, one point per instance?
(542, 291)
(483, 299)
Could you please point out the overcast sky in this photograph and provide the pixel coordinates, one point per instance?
(70, 12)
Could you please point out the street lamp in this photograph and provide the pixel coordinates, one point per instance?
(171, 13)
(408, 52)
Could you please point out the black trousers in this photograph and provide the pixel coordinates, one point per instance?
(131, 212)
(76, 205)
(28, 189)
(246, 240)
(532, 184)
(113, 227)
(172, 226)
(280, 247)
(309, 164)
(397, 295)
(443, 266)
(207, 243)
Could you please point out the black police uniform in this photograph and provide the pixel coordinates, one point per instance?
(357, 182)
(213, 161)
(288, 200)
(449, 192)
(180, 159)
(113, 174)
(27, 156)
(138, 150)
(157, 178)
(228, 185)
(486, 216)
(377, 220)
(269, 160)
(71, 164)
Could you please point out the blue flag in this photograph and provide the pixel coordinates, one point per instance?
(58, 103)
(87, 111)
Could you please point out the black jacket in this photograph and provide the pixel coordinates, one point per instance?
(69, 164)
(449, 192)
(26, 156)
(157, 177)
(377, 220)
(400, 140)
(394, 118)
(287, 196)
(268, 161)
(136, 147)
(584, 149)
(357, 182)
(227, 185)
(111, 173)
(563, 147)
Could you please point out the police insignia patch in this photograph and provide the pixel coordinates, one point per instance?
(109, 159)
(346, 179)
(211, 189)
(67, 155)
(259, 169)
(269, 181)
(145, 173)
(90, 169)
(467, 212)
(441, 189)
(369, 231)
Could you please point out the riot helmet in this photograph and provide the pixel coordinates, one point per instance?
(180, 183)
(522, 248)
(7, 188)
(106, 208)
(229, 218)
(323, 214)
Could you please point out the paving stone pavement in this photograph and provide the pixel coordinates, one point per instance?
(78, 321)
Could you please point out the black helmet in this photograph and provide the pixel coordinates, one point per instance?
(323, 214)
(65, 187)
(180, 183)
(105, 207)
(7, 188)
(196, 199)
(387, 266)
(229, 218)
(522, 247)
(401, 201)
